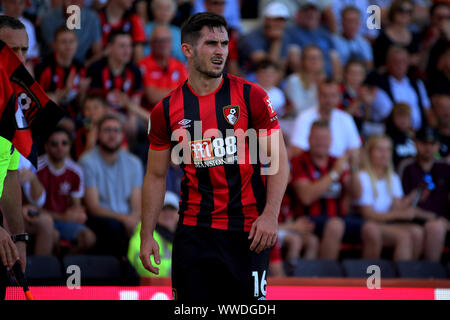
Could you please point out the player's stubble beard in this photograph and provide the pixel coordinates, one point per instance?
(199, 66)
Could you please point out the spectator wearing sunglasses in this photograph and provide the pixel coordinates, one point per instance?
(397, 33)
(63, 181)
(430, 180)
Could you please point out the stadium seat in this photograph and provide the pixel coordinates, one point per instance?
(317, 268)
(96, 270)
(421, 270)
(44, 270)
(357, 268)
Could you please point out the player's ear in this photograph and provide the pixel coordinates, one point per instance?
(187, 49)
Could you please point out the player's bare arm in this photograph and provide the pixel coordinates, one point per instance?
(153, 191)
(264, 229)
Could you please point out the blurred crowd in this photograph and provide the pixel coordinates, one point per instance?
(363, 101)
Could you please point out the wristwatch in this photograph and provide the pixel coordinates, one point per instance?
(334, 175)
(25, 237)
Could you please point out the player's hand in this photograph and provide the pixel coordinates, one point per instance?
(150, 247)
(264, 232)
(8, 250)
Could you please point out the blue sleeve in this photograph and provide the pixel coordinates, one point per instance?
(88, 172)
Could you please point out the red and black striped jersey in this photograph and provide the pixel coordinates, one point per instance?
(52, 76)
(222, 186)
(104, 82)
(331, 203)
(130, 23)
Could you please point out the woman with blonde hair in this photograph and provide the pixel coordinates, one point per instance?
(301, 87)
(382, 201)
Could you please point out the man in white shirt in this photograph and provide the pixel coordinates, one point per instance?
(395, 86)
(344, 133)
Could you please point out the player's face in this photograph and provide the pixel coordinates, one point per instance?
(66, 44)
(58, 146)
(17, 40)
(110, 136)
(211, 51)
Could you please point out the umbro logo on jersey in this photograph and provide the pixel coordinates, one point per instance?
(184, 123)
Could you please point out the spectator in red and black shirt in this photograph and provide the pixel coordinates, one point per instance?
(118, 80)
(116, 16)
(161, 72)
(322, 185)
(62, 76)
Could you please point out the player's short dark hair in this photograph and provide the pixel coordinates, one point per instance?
(116, 33)
(190, 30)
(60, 30)
(60, 129)
(11, 22)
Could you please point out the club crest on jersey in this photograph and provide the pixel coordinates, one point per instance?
(231, 114)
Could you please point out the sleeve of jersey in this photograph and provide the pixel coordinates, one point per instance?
(158, 134)
(264, 117)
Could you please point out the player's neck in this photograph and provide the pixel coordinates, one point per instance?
(203, 85)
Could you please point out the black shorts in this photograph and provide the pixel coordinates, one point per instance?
(217, 265)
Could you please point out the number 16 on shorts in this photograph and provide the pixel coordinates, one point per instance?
(259, 284)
